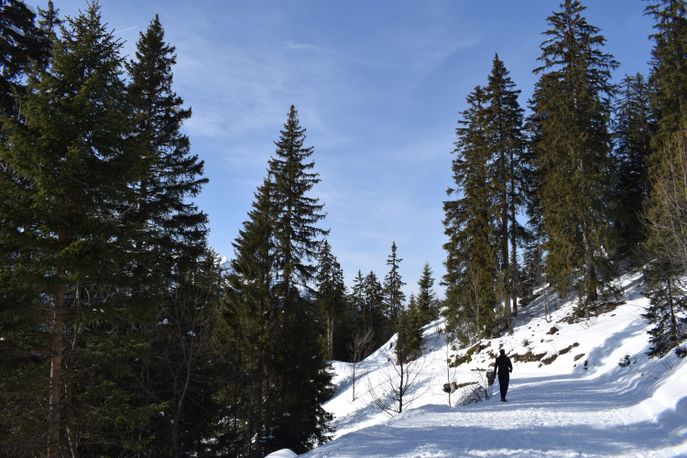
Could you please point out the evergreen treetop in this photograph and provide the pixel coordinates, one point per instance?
(393, 284)
(173, 176)
(296, 213)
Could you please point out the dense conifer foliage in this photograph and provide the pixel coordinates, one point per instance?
(471, 270)
(666, 160)
(632, 134)
(571, 146)
(273, 308)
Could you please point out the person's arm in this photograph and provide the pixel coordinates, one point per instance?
(510, 366)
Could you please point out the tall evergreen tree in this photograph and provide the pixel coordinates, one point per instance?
(330, 296)
(74, 150)
(172, 240)
(506, 176)
(300, 422)
(393, 284)
(668, 83)
(632, 132)
(571, 143)
(471, 257)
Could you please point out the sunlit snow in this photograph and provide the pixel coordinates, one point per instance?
(562, 409)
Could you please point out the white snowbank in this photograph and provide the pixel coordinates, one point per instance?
(283, 453)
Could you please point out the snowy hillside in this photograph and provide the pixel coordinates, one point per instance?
(572, 398)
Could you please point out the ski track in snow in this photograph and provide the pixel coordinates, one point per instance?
(558, 410)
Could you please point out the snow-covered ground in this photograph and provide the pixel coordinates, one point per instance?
(582, 403)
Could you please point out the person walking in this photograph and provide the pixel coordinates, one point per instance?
(503, 368)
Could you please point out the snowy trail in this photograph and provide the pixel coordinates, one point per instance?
(549, 416)
(581, 404)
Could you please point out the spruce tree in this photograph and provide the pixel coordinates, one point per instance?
(632, 132)
(571, 144)
(427, 302)
(330, 296)
(393, 284)
(171, 242)
(506, 176)
(299, 420)
(668, 99)
(471, 252)
(74, 161)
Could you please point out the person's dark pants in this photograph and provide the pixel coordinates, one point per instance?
(503, 385)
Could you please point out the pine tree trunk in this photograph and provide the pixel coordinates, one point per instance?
(56, 385)
(180, 403)
(590, 276)
(513, 241)
(505, 267)
(330, 337)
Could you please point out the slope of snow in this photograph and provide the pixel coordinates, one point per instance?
(581, 402)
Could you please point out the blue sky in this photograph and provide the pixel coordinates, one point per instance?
(379, 86)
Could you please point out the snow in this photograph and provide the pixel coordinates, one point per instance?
(283, 453)
(562, 409)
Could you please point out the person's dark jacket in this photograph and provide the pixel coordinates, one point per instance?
(503, 366)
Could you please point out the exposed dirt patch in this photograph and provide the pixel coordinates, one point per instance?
(580, 314)
(528, 357)
(567, 349)
(467, 357)
(550, 359)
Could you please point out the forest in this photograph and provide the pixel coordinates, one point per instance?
(122, 333)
